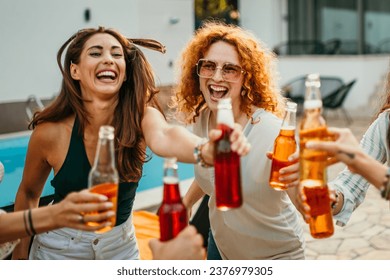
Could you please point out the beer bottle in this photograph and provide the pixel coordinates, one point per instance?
(228, 193)
(313, 172)
(284, 146)
(103, 177)
(172, 212)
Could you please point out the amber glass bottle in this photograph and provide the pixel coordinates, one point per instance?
(103, 177)
(284, 146)
(313, 172)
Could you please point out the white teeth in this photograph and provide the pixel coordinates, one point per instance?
(107, 73)
(218, 88)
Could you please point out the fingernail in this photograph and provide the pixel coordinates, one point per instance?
(110, 213)
(103, 198)
(281, 171)
(109, 205)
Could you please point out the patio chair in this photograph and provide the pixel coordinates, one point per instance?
(295, 89)
(335, 100)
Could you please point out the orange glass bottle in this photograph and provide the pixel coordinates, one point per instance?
(313, 168)
(284, 146)
(103, 177)
(172, 213)
(228, 191)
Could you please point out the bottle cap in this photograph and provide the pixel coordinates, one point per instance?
(291, 106)
(106, 131)
(225, 103)
(313, 80)
(312, 104)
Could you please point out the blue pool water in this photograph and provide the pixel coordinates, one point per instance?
(13, 153)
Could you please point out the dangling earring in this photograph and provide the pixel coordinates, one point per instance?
(243, 92)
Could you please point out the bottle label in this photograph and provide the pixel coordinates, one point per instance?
(312, 104)
(225, 117)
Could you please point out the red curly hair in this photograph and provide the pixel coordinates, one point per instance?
(255, 58)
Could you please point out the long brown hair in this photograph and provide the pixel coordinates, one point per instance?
(258, 62)
(136, 92)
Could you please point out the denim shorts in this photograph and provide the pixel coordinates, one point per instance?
(70, 244)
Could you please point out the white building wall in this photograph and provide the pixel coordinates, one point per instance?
(172, 23)
(267, 19)
(31, 33)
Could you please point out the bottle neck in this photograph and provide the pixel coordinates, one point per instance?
(312, 96)
(289, 120)
(171, 190)
(225, 113)
(105, 156)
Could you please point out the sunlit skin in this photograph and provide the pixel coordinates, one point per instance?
(102, 68)
(222, 52)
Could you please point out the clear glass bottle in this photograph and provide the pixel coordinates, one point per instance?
(313, 166)
(172, 212)
(103, 177)
(284, 146)
(228, 190)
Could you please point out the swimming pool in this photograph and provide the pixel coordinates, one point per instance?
(13, 149)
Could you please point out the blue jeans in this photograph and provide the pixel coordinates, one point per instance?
(212, 249)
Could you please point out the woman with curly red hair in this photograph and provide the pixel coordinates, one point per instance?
(240, 67)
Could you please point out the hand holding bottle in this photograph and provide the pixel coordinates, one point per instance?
(188, 245)
(239, 143)
(103, 177)
(347, 150)
(284, 146)
(313, 163)
(344, 148)
(289, 175)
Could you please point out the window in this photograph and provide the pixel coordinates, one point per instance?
(225, 10)
(338, 26)
(376, 25)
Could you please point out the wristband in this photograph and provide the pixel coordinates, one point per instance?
(198, 154)
(337, 195)
(385, 189)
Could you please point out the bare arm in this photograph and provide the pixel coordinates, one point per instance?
(67, 213)
(168, 140)
(35, 173)
(346, 149)
(192, 196)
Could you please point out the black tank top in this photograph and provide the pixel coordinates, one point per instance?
(73, 176)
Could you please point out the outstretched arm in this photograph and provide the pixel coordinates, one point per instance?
(347, 150)
(167, 140)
